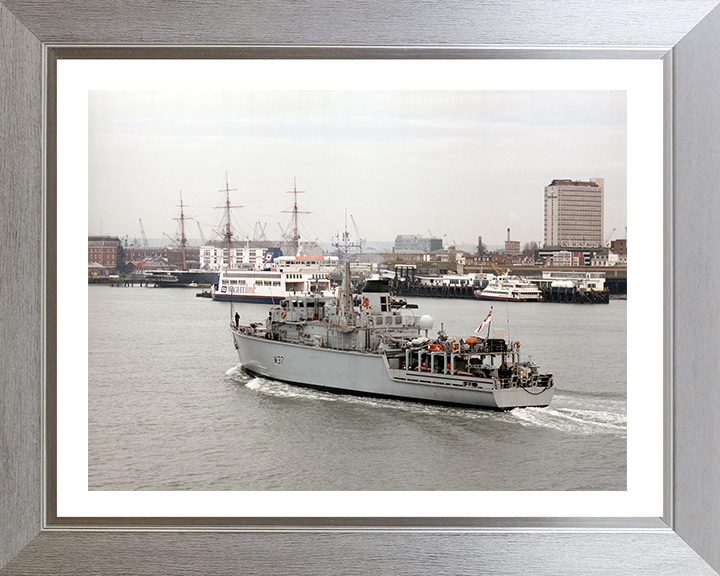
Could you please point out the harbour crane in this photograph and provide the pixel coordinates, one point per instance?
(202, 236)
(142, 231)
(284, 234)
(607, 240)
(360, 240)
(259, 232)
(497, 270)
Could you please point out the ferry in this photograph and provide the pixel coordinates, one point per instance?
(509, 288)
(363, 345)
(164, 279)
(281, 278)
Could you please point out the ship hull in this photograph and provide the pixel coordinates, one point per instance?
(248, 298)
(183, 279)
(368, 374)
(507, 299)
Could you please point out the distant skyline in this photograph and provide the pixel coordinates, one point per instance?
(452, 164)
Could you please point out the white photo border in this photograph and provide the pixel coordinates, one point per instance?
(643, 81)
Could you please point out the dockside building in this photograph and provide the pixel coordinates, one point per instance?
(574, 212)
(417, 242)
(105, 253)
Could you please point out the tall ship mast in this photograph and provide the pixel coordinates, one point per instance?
(183, 238)
(280, 276)
(295, 211)
(227, 236)
(187, 275)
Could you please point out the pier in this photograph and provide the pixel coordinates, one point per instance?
(125, 281)
(575, 296)
(406, 288)
(615, 276)
(407, 284)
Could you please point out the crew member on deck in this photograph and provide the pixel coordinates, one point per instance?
(504, 372)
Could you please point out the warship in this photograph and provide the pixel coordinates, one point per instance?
(365, 344)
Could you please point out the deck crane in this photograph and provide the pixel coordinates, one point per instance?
(360, 240)
(142, 231)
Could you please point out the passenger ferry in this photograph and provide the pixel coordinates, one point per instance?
(508, 288)
(285, 276)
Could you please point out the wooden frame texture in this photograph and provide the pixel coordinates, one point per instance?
(684, 33)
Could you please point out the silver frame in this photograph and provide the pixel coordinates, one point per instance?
(686, 540)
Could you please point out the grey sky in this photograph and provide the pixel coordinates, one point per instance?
(458, 163)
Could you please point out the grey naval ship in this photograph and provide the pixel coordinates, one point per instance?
(368, 344)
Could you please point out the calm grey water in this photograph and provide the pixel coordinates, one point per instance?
(170, 409)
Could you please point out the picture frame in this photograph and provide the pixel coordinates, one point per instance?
(685, 540)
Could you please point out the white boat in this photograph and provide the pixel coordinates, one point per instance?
(164, 279)
(284, 277)
(363, 345)
(507, 287)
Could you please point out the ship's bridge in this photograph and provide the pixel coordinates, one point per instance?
(375, 296)
(302, 308)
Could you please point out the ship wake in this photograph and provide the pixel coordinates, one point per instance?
(594, 419)
(573, 420)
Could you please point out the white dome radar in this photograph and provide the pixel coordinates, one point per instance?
(426, 322)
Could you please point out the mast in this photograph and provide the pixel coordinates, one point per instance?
(183, 239)
(227, 236)
(295, 212)
(346, 304)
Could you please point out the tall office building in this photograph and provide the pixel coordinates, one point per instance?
(574, 212)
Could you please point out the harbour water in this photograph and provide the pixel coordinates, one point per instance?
(170, 409)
